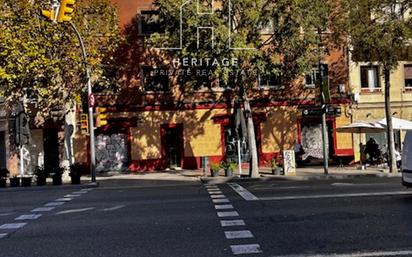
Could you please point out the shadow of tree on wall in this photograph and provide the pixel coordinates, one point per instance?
(179, 105)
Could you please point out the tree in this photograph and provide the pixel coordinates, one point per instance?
(265, 38)
(43, 58)
(380, 31)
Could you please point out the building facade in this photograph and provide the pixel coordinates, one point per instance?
(367, 84)
(152, 124)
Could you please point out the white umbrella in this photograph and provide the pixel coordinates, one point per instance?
(361, 127)
(398, 124)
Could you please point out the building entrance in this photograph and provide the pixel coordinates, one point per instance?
(172, 144)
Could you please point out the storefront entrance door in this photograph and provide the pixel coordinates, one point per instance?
(173, 145)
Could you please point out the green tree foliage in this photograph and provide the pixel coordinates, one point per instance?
(43, 57)
(380, 31)
(276, 37)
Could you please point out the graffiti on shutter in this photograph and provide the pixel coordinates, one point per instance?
(111, 152)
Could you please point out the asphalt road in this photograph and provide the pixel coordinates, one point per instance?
(362, 217)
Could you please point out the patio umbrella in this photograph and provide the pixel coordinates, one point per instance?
(398, 124)
(361, 127)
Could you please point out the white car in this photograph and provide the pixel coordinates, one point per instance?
(407, 160)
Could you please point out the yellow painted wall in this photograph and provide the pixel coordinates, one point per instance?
(279, 131)
(202, 137)
(343, 140)
(397, 85)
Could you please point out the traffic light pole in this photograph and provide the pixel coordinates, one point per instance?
(90, 107)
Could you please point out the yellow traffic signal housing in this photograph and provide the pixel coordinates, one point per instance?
(101, 117)
(84, 123)
(48, 14)
(65, 11)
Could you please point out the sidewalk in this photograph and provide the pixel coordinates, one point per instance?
(310, 173)
(307, 173)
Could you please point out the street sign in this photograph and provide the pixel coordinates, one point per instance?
(330, 111)
(92, 100)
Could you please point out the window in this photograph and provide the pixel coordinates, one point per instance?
(312, 78)
(149, 23)
(270, 81)
(370, 77)
(408, 75)
(155, 79)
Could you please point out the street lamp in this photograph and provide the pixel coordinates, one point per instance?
(61, 12)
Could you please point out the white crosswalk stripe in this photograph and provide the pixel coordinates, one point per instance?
(232, 223)
(28, 217)
(238, 234)
(223, 206)
(245, 249)
(228, 214)
(220, 201)
(12, 225)
(43, 209)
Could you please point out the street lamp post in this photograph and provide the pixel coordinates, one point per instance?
(90, 107)
(61, 12)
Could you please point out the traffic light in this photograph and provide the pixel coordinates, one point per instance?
(84, 123)
(48, 14)
(65, 10)
(101, 117)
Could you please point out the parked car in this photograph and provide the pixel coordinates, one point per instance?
(407, 160)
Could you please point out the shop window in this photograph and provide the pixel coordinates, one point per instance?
(370, 77)
(312, 78)
(408, 76)
(155, 79)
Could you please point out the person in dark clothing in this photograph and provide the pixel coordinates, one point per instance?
(373, 151)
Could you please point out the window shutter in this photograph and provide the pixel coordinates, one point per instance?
(408, 71)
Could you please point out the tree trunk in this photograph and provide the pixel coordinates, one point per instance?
(389, 130)
(253, 167)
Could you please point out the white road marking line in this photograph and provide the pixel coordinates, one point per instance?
(54, 204)
(86, 189)
(298, 197)
(114, 208)
(357, 254)
(217, 196)
(5, 214)
(232, 223)
(209, 186)
(248, 196)
(75, 210)
(245, 249)
(71, 195)
(342, 184)
(12, 225)
(227, 214)
(220, 200)
(2, 235)
(238, 234)
(223, 206)
(64, 199)
(80, 192)
(212, 189)
(215, 192)
(43, 209)
(28, 217)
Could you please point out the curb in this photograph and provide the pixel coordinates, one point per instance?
(49, 187)
(222, 180)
